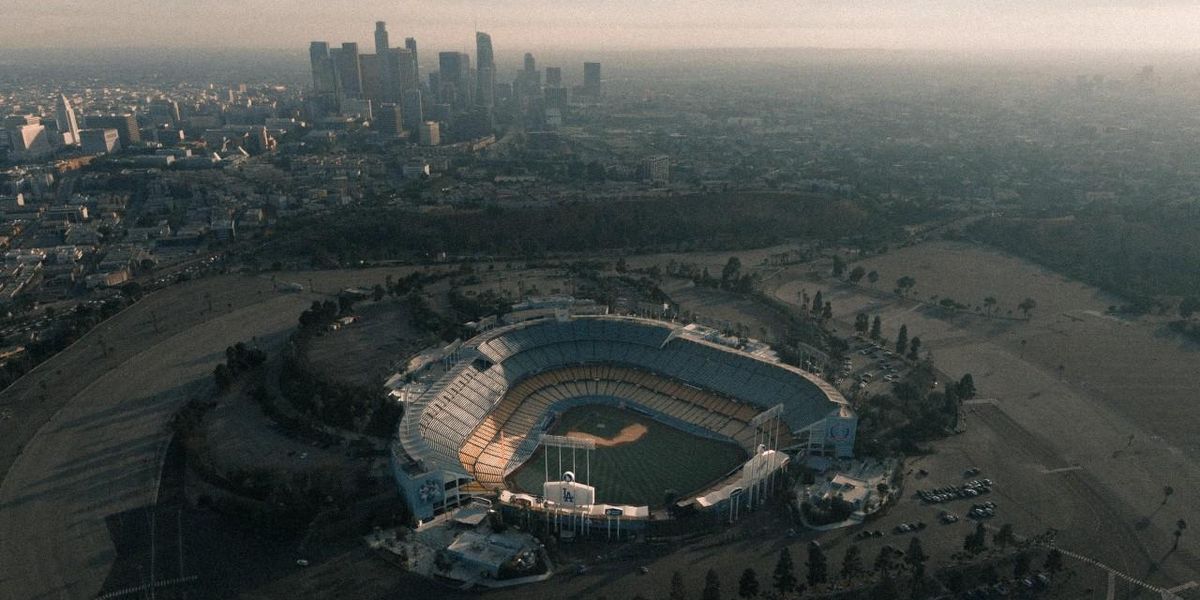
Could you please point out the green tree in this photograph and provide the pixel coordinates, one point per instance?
(976, 541)
(1027, 305)
(902, 340)
(885, 590)
(990, 303)
(748, 584)
(914, 349)
(905, 284)
(827, 311)
(856, 274)
(712, 586)
(1004, 537)
(915, 557)
(876, 328)
(378, 292)
(678, 591)
(852, 563)
(966, 387)
(731, 272)
(883, 560)
(1054, 561)
(873, 277)
(818, 303)
(862, 323)
(818, 565)
(783, 577)
(1189, 306)
(223, 377)
(1021, 565)
(839, 266)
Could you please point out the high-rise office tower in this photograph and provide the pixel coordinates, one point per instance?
(387, 70)
(97, 141)
(349, 69)
(412, 111)
(165, 110)
(404, 70)
(388, 120)
(371, 68)
(323, 73)
(381, 37)
(485, 78)
(558, 97)
(591, 78)
(553, 76)
(410, 44)
(126, 126)
(430, 134)
(530, 79)
(454, 76)
(67, 123)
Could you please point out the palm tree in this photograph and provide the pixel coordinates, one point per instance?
(1180, 525)
(1027, 305)
(748, 584)
(990, 303)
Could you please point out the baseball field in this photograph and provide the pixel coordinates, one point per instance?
(637, 459)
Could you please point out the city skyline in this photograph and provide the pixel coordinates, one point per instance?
(952, 25)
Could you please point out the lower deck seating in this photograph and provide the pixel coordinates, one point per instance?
(504, 434)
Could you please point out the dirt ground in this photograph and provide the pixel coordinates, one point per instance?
(369, 350)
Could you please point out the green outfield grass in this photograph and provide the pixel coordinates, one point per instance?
(635, 473)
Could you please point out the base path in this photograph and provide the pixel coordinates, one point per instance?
(627, 435)
(99, 455)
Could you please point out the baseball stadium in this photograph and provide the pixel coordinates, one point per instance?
(600, 416)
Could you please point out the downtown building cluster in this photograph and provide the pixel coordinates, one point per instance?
(458, 101)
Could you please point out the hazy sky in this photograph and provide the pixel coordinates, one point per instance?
(516, 25)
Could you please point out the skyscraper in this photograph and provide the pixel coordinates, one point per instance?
(126, 126)
(349, 70)
(412, 111)
(323, 74)
(591, 78)
(404, 70)
(411, 45)
(371, 68)
(485, 79)
(67, 123)
(454, 76)
(388, 120)
(97, 141)
(553, 76)
(430, 134)
(387, 70)
(164, 110)
(530, 78)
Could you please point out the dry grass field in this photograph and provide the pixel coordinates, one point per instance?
(1115, 412)
(98, 454)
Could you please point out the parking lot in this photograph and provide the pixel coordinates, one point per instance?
(869, 368)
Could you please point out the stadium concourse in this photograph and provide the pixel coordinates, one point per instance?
(477, 411)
